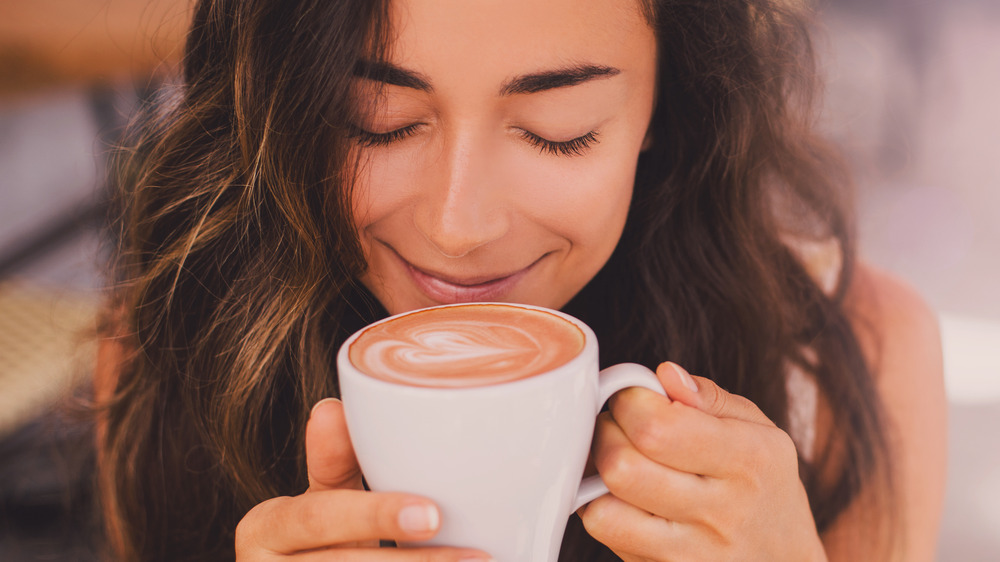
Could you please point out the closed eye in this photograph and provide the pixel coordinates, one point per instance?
(370, 139)
(574, 147)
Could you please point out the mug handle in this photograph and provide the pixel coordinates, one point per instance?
(611, 380)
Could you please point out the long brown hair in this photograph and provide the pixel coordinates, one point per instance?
(237, 259)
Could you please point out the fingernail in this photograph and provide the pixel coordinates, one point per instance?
(320, 403)
(419, 518)
(686, 379)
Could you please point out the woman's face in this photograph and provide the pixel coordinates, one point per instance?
(499, 159)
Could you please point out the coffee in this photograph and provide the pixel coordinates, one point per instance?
(467, 345)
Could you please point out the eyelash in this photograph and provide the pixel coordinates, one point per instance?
(369, 139)
(573, 147)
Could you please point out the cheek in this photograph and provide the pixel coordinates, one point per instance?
(382, 185)
(583, 200)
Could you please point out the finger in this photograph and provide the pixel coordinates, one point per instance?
(330, 456)
(705, 395)
(631, 532)
(672, 433)
(288, 525)
(684, 438)
(422, 554)
(649, 485)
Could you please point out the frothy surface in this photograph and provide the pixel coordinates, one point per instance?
(472, 345)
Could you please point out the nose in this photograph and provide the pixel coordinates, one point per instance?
(461, 208)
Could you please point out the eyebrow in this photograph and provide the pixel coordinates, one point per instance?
(535, 82)
(391, 74)
(557, 78)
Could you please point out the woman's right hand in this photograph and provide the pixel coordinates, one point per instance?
(336, 519)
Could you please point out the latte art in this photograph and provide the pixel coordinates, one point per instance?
(471, 345)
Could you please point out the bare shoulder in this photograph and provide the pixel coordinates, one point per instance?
(899, 334)
(894, 324)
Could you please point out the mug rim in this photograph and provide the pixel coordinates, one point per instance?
(587, 352)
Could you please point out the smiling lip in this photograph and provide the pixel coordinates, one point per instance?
(451, 290)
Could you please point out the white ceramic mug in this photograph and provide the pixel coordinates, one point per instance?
(503, 462)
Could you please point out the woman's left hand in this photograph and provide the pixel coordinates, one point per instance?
(704, 475)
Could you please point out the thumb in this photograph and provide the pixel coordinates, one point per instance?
(329, 454)
(705, 395)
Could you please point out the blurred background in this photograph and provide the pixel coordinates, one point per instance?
(912, 99)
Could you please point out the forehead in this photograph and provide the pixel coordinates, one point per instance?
(489, 39)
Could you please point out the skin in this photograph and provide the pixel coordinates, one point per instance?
(470, 206)
(465, 206)
(709, 477)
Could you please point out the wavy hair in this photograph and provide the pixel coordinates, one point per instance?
(236, 263)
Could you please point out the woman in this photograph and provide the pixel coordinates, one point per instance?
(646, 166)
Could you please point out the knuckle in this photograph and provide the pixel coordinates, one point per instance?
(383, 517)
(600, 521)
(714, 526)
(757, 461)
(617, 468)
(768, 453)
(717, 400)
(652, 435)
(308, 518)
(785, 449)
(243, 536)
(595, 517)
(248, 530)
